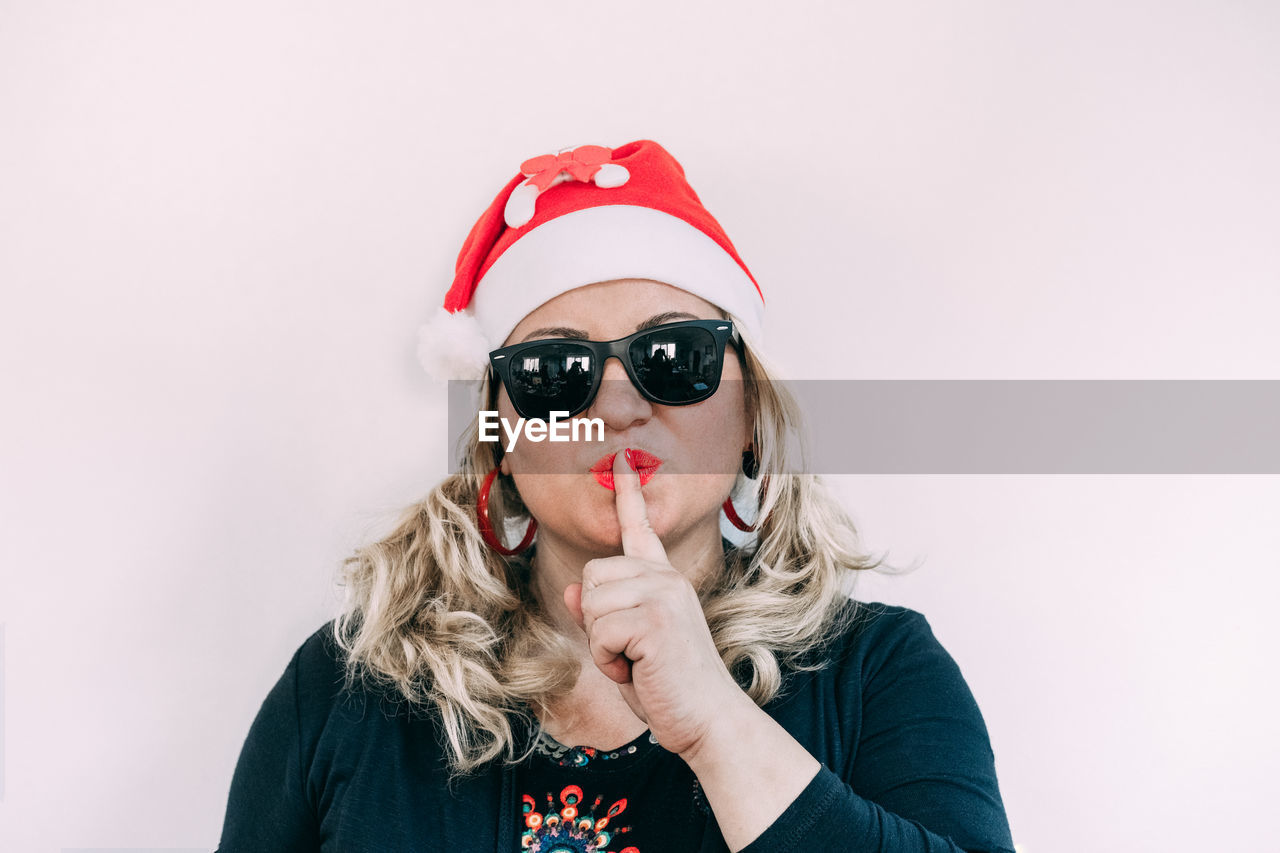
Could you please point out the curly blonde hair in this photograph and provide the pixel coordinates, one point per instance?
(452, 628)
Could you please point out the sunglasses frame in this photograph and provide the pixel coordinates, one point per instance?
(722, 330)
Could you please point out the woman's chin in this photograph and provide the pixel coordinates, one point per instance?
(595, 529)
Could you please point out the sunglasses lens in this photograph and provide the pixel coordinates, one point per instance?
(554, 377)
(677, 365)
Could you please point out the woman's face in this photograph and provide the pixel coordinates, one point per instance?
(700, 445)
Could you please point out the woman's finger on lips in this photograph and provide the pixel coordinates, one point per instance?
(638, 538)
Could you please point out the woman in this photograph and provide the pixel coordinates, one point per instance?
(622, 679)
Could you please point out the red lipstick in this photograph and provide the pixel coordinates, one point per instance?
(646, 465)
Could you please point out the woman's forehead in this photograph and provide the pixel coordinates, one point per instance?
(611, 309)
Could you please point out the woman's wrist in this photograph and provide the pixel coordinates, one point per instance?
(750, 768)
(733, 718)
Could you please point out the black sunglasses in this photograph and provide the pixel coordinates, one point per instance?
(675, 364)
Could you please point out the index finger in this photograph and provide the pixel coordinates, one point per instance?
(638, 538)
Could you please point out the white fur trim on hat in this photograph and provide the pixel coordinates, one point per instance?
(610, 242)
(453, 346)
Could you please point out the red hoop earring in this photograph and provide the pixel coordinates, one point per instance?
(486, 527)
(732, 514)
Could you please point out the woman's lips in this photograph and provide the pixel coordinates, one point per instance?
(646, 465)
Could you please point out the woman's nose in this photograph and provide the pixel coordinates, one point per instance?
(618, 403)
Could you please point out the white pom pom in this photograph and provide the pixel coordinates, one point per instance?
(611, 175)
(520, 205)
(452, 346)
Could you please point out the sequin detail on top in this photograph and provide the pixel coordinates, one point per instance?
(567, 829)
(580, 756)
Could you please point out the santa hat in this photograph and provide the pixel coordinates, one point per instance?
(574, 218)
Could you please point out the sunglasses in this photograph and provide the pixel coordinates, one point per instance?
(675, 364)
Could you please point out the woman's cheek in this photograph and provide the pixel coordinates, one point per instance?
(544, 457)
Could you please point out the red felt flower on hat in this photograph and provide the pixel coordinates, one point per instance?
(590, 164)
(581, 163)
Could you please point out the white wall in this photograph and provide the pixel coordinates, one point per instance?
(220, 224)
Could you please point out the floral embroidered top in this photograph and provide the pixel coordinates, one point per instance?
(638, 798)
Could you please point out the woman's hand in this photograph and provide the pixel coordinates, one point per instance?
(647, 632)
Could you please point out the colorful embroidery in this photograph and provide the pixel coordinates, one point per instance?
(568, 830)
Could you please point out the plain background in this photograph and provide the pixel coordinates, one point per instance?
(220, 224)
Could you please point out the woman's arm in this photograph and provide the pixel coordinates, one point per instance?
(755, 769)
(267, 808)
(751, 770)
(923, 764)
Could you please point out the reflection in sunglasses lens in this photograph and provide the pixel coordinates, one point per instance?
(676, 365)
(554, 377)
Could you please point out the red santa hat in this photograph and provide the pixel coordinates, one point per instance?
(574, 218)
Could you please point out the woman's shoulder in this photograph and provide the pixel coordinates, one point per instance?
(871, 627)
(872, 641)
(324, 689)
(317, 661)
(330, 699)
(315, 676)
(320, 651)
(323, 678)
(890, 653)
(882, 665)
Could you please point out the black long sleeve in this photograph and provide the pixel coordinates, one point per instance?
(267, 808)
(922, 778)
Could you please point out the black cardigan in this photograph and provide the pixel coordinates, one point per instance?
(906, 761)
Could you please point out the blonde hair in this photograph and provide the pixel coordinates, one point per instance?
(451, 627)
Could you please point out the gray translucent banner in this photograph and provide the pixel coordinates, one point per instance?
(982, 426)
